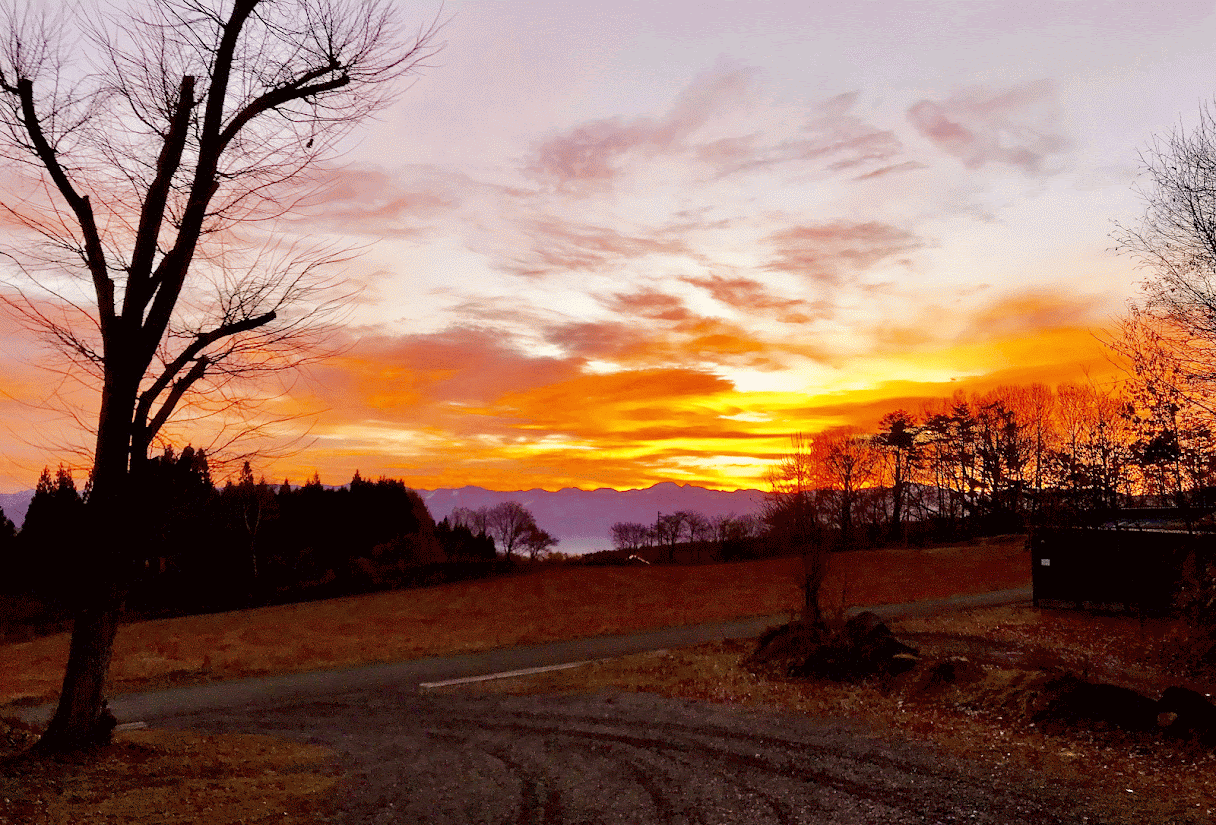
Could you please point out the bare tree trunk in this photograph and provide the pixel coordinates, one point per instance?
(814, 569)
(81, 718)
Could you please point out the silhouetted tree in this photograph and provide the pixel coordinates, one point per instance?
(897, 437)
(631, 536)
(478, 521)
(52, 537)
(251, 506)
(668, 529)
(460, 545)
(732, 533)
(14, 577)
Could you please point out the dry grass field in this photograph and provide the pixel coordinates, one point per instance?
(550, 604)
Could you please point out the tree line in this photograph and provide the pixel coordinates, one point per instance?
(203, 547)
(993, 461)
(508, 523)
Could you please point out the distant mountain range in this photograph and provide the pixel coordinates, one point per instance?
(15, 505)
(581, 519)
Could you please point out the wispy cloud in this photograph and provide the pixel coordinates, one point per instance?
(560, 246)
(1027, 313)
(828, 252)
(704, 341)
(588, 158)
(751, 296)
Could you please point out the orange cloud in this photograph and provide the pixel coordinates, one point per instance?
(651, 304)
(424, 415)
(691, 339)
(748, 295)
(1030, 312)
(429, 377)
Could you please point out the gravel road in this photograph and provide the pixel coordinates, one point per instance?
(616, 757)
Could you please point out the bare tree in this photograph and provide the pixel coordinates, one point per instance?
(538, 543)
(631, 536)
(478, 521)
(897, 439)
(510, 524)
(730, 533)
(1169, 335)
(1175, 241)
(668, 529)
(846, 462)
(168, 142)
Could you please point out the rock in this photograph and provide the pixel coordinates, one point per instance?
(1194, 715)
(783, 648)
(1073, 702)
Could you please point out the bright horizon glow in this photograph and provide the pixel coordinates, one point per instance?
(649, 242)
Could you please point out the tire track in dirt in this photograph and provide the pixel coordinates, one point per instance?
(635, 758)
(834, 773)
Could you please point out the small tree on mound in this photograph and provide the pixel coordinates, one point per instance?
(792, 511)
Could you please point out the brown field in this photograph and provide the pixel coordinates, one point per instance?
(551, 604)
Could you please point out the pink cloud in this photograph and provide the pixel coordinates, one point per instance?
(668, 334)
(894, 168)
(1015, 127)
(832, 134)
(651, 304)
(373, 202)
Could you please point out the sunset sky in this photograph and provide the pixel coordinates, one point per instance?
(617, 243)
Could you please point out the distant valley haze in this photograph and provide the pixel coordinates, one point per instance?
(583, 519)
